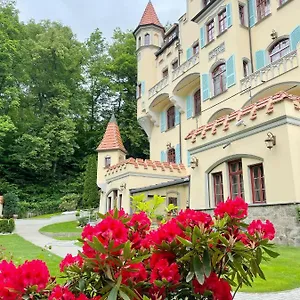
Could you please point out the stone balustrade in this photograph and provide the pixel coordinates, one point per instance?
(194, 60)
(159, 86)
(272, 70)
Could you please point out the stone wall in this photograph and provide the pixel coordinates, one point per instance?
(285, 218)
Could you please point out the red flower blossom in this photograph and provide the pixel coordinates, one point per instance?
(121, 213)
(265, 231)
(193, 218)
(61, 293)
(165, 271)
(157, 256)
(219, 287)
(140, 221)
(236, 209)
(134, 273)
(70, 260)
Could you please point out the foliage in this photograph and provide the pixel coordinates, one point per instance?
(140, 204)
(90, 190)
(7, 225)
(27, 209)
(171, 208)
(10, 205)
(69, 202)
(83, 221)
(193, 255)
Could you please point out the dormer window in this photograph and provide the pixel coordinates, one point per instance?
(107, 162)
(147, 39)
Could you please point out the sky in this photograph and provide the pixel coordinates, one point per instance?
(84, 16)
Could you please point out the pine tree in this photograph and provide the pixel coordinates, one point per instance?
(90, 190)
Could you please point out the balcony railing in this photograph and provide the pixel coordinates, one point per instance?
(273, 70)
(159, 86)
(194, 60)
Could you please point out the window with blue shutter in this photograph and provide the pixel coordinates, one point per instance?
(202, 37)
(177, 154)
(163, 121)
(205, 90)
(163, 156)
(189, 53)
(189, 107)
(228, 15)
(260, 59)
(230, 72)
(252, 14)
(188, 158)
(143, 87)
(177, 116)
(295, 38)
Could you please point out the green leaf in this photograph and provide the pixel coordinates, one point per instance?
(185, 242)
(114, 292)
(127, 250)
(124, 296)
(206, 263)
(271, 253)
(190, 277)
(198, 268)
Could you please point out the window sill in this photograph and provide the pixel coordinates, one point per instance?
(284, 4)
(244, 26)
(265, 17)
(215, 96)
(220, 34)
(209, 43)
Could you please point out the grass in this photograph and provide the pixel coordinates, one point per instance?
(67, 238)
(64, 227)
(22, 250)
(282, 273)
(48, 216)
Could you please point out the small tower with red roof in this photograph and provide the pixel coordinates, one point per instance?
(111, 150)
(149, 36)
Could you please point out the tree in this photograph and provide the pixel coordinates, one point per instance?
(10, 205)
(90, 190)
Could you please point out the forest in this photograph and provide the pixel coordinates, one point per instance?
(56, 96)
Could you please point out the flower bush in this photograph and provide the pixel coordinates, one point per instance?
(193, 255)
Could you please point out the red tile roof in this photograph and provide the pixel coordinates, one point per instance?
(265, 103)
(150, 16)
(112, 138)
(147, 164)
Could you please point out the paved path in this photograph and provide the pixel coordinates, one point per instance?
(286, 295)
(29, 230)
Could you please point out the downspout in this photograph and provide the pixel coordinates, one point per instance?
(180, 139)
(250, 40)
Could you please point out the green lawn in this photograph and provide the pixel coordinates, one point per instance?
(282, 273)
(48, 216)
(67, 238)
(22, 250)
(62, 227)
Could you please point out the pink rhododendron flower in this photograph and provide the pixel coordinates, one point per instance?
(165, 271)
(236, 209)
(265, 230)
(70, 260)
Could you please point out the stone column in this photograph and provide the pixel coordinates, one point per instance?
(1, 206)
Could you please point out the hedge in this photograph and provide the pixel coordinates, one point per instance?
(7, 225)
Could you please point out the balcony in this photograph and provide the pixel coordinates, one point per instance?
(159, 86)
(194, 60)
(271, 71)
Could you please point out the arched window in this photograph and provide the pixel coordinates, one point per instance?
(171, 117)
(171, 156)
(156, 39)
(147, 39)
(197, 103)
(219, 79)
(139, 42)
(280, 49)
(107, 161)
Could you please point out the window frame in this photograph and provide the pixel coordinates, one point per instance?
(210, 31)
(280, 51)
(165, 72)
(215, 176)
(197, 103)
(175, 63)
(196, 48)
(236, 173)
(171, 156)
(216, 74)
(171, 117)
(139, 90)
(262, 185)
(222, 25)
(263, 9)
(246, 68)
(243, 17)
(147, 40)
(107, 161)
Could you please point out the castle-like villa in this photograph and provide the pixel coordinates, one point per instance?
(218, 95)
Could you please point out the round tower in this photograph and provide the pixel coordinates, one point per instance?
(149, 38)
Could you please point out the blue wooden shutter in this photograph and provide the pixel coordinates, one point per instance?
(163, 121)
(295, 38)
(260, 59)
(177, 116)
(163, 156)
(143, 87)
(230, 72)
(189, 53)
(228, 15)
(189, 107)
(205, 87)
(202, 37)
(188, 158)
(177, 154)
(252, 16)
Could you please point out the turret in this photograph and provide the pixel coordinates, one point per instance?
(149, 37)
(111, 150)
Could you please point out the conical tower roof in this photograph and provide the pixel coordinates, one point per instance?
(112, 138)
(150, 17)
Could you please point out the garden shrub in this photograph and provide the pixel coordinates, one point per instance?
(69, 202)
(10, 205)
(83, 221)
(7, 225)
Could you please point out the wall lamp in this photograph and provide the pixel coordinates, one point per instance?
(270, 140)
(122, 186)
(194, 162)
